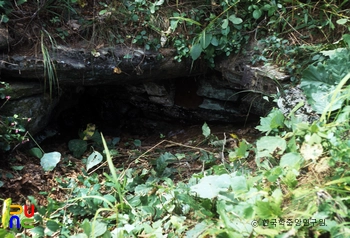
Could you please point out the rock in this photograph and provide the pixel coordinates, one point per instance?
(295, 99)
(38, 108)
(107, 85)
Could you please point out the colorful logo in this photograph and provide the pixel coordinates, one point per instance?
(11, 214)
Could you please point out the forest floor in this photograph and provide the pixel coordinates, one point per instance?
(25, 176)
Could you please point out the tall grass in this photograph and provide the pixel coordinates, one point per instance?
(50, 73)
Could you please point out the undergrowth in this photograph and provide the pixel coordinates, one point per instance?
(201, 29)
(297, 187)
(293, 181)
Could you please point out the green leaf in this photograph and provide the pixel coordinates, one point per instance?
(290, 179)
(320, 80)
(80, 235)
(210, 186)
(52, 225)
(196, 51)
(257, 13)
(137, 143)
(224, 24)
(78, 147)
(94, 159)
(267, 210)
(36, 152)
(342, 21)
(199, 228)
(274, 120)
(20, 2)
(17, 167)
(5, 234)
(189, 20)
(291, 160)
(206, 39)
(38, 231)
(152, 8)
(266, 232)
(273, 174)
(9, 235)
(5, 217)
(277, 196)
(242, 150)
(86, 226)
(341, 180)
(102, 12)
(346, 39)
(205, 130)
(268, 145)
(159, 2)
(214, 41)
(50, 160)
(98, 229)
(235, 20)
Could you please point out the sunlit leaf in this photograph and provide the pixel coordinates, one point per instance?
(98, 229)
(342, 21)
(205, 130)
(210, 186)
(235, 20)
(94, 159)
(50, 160)
(6, 212)
(224, 24)
(268, 145)
(89, 131)
(274, 120)
(292, 160)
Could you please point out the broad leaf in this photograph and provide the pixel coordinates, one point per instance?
(320, 80)
(78, 147)
(257, 13)
(50, 160)
(205, 130)
(36, 152)
(196, 51)
(52, 225)
(274, 120)
(98, 229)
(235, 20)
(210, 186)
(224, 24)
(268, 145)
(94, 159)
(292, 160)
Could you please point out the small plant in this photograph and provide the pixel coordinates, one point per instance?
(12, 131)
